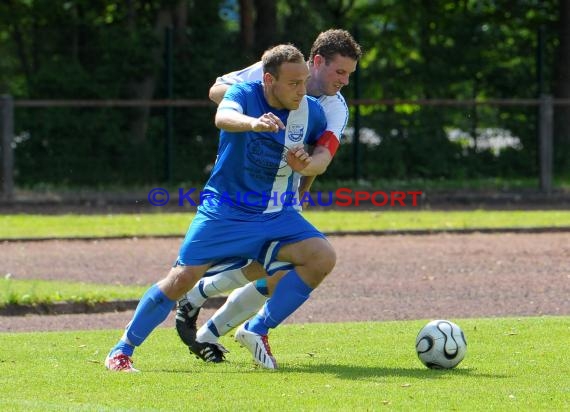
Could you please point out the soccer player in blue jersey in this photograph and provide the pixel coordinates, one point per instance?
(246, 205)
(333, 58)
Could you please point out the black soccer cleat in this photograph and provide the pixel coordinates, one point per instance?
(208, 352)
(186, 317)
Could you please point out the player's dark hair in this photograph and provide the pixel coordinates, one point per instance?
(274, 57)
(335, 41)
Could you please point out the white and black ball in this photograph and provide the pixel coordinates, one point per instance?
(441, 344)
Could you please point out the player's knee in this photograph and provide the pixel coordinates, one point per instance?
(254, 271)
(323, 261)
(330, 260)
(180, 280)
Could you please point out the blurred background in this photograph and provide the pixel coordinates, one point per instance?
(450, 95)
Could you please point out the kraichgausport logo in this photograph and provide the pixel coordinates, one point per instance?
(341, 197)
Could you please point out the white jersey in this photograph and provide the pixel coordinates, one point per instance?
(335, 107)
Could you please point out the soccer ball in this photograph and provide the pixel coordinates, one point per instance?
(441, 344)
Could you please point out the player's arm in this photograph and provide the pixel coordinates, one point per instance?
(232, 120)
(217, 92)
(306, 182)
(306, 165)
(223, 83)
(304, 189)
(337, 117)
(305, 185)
(322, 155)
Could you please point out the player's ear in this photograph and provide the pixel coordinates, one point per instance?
(268, 78)
(318, 60)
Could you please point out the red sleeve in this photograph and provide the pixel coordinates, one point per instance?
(329, 140)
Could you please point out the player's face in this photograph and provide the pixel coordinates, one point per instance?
(329, 78)
(287, 91)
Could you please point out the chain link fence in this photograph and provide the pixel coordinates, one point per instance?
(92, 143)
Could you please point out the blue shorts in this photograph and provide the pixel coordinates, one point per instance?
(224, 231)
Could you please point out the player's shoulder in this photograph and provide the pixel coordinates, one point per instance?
(334, 105)
(245, 87)
(253, 72)
(314, 103)
(334, 100)
(311, 100)
(250, 73)
(250, 84)
(241, 95)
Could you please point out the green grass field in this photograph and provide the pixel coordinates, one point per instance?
(511, 365)
(175, 224)
(35, 291)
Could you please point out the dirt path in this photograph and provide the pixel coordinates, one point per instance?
(376, 277)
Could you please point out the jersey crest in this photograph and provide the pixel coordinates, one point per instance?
(296, 132)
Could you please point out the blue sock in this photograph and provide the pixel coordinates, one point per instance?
(123, 347)
(290, 293)
(151, 311)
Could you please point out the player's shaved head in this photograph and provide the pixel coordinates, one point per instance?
(275, 57)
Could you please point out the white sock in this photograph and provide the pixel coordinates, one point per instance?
(241, 304)
(215, 285)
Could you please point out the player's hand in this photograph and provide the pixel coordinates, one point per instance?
(298, 158)
(268, 122)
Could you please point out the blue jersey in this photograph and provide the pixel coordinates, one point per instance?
(251, 172)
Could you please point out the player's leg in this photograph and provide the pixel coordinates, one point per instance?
(202, 245)
(241, 305)
(314, 258)
(223, 280)
(223, 277)
(152, 310)
(225, 237)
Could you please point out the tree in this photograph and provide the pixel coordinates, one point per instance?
(258, 26)
(562, 88)
(247, 30)
(265, 25)
(111, 49)
(170, 15)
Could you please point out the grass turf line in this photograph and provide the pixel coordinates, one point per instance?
(33, 292)
(176, 224)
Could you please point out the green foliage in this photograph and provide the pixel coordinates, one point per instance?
(97, 55)
(445, 49)
(413, 50)
(334, 367)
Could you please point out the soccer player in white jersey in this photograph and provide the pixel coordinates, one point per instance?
(246, 205)
(333, 58)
